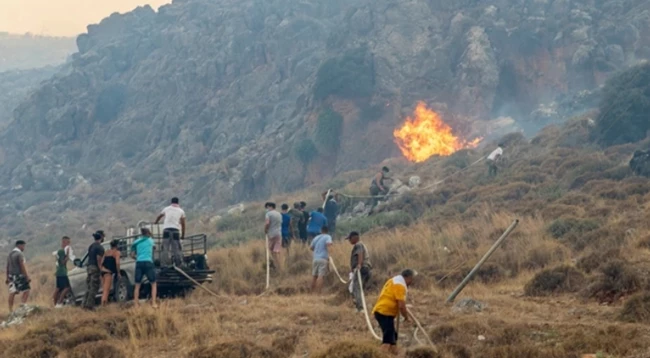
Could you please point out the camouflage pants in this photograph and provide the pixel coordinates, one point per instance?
(356, 288)
(92, 283)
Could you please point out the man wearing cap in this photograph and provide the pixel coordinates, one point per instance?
(17, 277)
(93, 278)
(359, 262)
(390, 304)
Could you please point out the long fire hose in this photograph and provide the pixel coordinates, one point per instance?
(367, 316)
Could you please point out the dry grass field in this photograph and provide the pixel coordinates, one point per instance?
(570, 281)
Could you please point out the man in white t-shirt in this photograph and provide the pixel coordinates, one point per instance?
(492, 160)
(173, 233)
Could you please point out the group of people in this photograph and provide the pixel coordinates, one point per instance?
(297, 224)
(391, 302)
(103, 266)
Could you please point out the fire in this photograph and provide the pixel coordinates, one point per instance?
(425, 135)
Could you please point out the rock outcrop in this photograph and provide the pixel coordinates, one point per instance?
(209, 100)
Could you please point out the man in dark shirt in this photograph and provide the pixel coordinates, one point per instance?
(302, 225)
(359, 261)
(93, 280)
(331, 211)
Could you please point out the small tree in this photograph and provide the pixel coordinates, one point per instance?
(350, 75)
(306, 150)
(328, 131)
(625, 107)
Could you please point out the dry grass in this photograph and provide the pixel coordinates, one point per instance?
(556, 288)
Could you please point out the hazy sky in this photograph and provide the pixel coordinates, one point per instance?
(61, 17)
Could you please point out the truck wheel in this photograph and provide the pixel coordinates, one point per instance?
(124, 290)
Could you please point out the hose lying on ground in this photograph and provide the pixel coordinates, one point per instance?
(196, 282)
(367, 316)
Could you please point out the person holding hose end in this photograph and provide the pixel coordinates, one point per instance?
(390, 304)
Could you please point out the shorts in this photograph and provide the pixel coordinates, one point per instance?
(387, 324)
(320, 268)
(275, 244)
(171, 234)
(145, 268)
(18, 284)
(62, 282)
(286, 241)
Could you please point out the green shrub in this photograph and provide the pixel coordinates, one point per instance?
(636, 309)
(363, 224)
(557, 280)
(328, 131)
(306, 150)
(561, 228)
(371, 113)
(625, 106)
(351, 75)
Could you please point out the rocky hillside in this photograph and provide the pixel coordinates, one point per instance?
(21, 52)
(223, 101)
(16, 85)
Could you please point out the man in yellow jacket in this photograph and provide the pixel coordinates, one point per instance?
(392, 302)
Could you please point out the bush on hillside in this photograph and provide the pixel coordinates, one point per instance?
(557, 280)
(100, 349)
(306, 150)
(596, 259)
(351, 350)
(616, 279)
(569, 229)
(350, 75)
(236, 349)
(328, 131)
(388, 220)
(625, 107)
(636, 309)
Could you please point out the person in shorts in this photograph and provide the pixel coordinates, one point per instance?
(173, 233)
(17, 278)
(144, 266)
(391, 303)
(273, 230)
(63, 256)
(320, 266)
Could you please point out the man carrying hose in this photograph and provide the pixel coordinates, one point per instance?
(390, 304)
(359, 261)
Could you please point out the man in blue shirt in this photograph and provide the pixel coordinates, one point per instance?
(316, 222)
(144, 266)
(320, 266)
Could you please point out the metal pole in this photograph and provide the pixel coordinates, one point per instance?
(487, 255)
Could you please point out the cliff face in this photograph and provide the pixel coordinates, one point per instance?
(211, 99)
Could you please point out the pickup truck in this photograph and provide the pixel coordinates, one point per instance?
(171, 283)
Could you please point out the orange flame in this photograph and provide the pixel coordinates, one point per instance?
(425, 135)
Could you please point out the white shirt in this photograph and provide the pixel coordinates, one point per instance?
(495, 153)
(173, 215)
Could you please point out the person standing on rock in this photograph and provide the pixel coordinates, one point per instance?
(273, 230)
(63, 256)
(331, 212)
(93, 278)
(493, 159)
(359, 262)
(173, 233)
(377, 188)
(316, 222)
(17, 277)
(390, 304)
(302, 225)
(320, 265)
